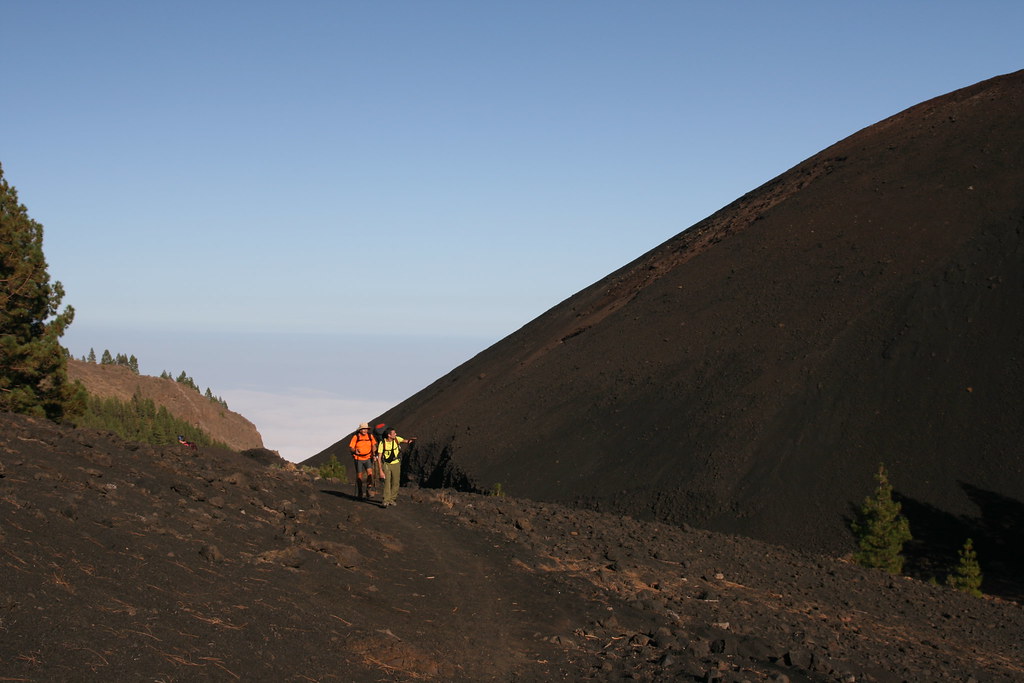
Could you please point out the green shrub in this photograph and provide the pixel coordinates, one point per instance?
(881, 529)
(967, 577)
(332, 469)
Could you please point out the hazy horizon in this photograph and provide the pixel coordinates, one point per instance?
(319, 388)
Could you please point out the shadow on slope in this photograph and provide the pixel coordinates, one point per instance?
(995, 532)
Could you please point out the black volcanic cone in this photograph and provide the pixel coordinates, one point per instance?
(750, 374)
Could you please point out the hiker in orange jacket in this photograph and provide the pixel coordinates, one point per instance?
(363, 445)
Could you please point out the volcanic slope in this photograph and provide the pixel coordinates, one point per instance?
(750, 374)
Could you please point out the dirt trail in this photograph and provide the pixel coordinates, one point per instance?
(464, 595)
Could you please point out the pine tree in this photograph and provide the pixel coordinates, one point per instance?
(183, 378)
(92, 356)
(881, 529)
(967, 577)
(33, 367)
(106, 359)
(133, 363)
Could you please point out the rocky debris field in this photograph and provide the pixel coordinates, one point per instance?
(129, 562)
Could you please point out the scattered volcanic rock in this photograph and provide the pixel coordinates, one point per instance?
(129, 562)
(750, 374)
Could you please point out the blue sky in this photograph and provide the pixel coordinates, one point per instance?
(318, 208)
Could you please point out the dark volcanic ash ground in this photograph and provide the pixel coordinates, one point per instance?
(129, 562)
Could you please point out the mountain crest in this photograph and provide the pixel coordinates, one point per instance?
(181, 401)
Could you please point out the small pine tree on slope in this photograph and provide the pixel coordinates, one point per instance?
(967, 577)
(333, 469)
(881, 529)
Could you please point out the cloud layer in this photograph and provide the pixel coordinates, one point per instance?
(299, 423)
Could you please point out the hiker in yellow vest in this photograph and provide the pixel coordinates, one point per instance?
(390, 452)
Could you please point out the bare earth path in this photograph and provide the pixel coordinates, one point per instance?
(467, 594)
